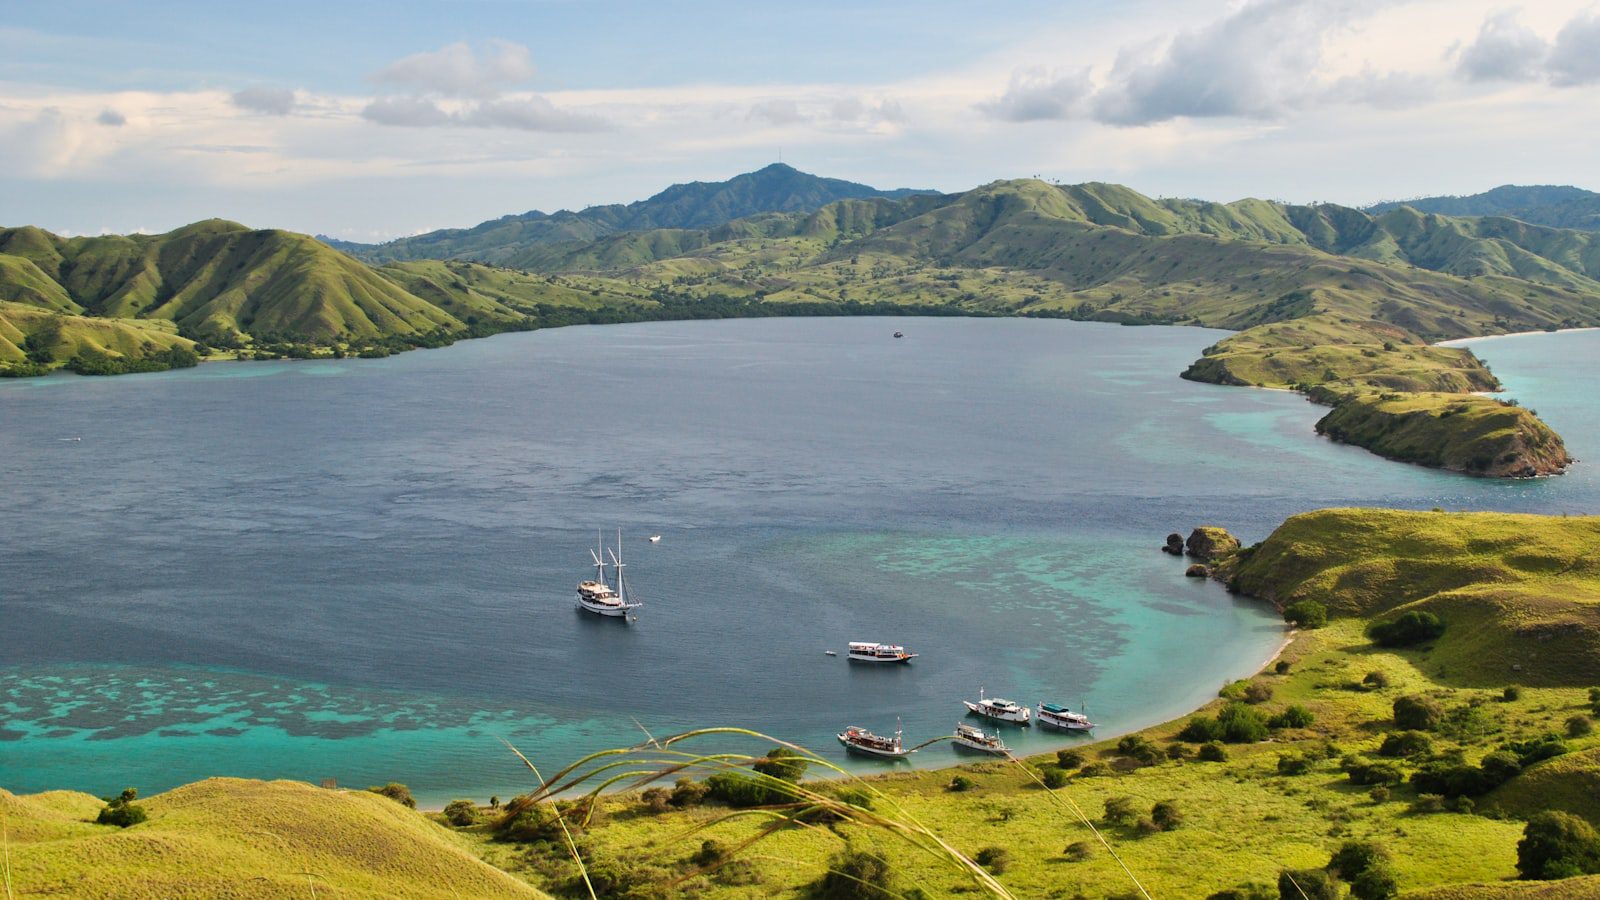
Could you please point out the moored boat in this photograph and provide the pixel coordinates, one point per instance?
(597, 595)
(870, 651)
(859, 740)
(1057, 716)
(998, 709)
(975, 738)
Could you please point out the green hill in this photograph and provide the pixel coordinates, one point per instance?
(230, 837)
(1558, 206)
(775, 188)
(1519, 594)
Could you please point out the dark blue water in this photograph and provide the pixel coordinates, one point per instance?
(363, 569)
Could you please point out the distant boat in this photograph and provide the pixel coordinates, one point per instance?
(598, 596)
(1057, 716)
(655, 538)
(831, 652)
(899, 334)
(70, 439)
(871, 652)
(998, 709)
(975, 738)
(859, 740)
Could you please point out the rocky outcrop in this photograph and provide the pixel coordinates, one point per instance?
(1209, 542)
(1174, 544)
(1196, 571)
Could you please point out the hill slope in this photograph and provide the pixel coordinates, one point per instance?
(211, 838)
(1558, 206)
(699, 204)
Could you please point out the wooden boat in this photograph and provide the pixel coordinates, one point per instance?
(975, 738)
(859, 740)
(872, 652)
(597, 595)
(1054, 715)
(998, 709)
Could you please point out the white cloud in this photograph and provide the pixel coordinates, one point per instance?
(111, 118)
(1505, 50)
(416, 112)
(272, 101)
(459, 70)
(527, 113)
(1038, 94)
(777, 112)
(1575, 58)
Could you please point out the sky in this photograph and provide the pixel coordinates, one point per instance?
(370, 120)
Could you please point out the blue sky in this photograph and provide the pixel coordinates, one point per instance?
(369, 120)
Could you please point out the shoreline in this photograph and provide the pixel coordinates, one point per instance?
(1456, 342)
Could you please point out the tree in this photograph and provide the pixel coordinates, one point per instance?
(1417, 713)
(1557, 845)
(1292, 717)
(1119, 810)
(1406, 743)
(121, 811)
(783, 764)
(1069, 759)
(461, 813)
(1306, 614)
(1053, 777)
(1354, 857)
(1307, 884)
(1412, 627)
(1166, 815)
(1377, 882)
(856, 875)
(397, 792)
(1212, 751)
(1242, 724)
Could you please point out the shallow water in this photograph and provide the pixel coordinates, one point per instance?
(362, 569)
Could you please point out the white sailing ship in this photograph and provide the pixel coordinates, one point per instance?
(597, 595)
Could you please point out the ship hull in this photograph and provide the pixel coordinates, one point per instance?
(1020, 717)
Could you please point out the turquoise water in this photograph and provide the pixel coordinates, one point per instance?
(362, 569)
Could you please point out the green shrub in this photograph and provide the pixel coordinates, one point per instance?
(1417, 713)
(1557, 845)
(657, 799)
(783, 764)
(687, 792)
(1281, 667)
(1406, 743)
(1053, 777)
(1366, 772)
(857, 875)
(1511, 694)
(1354, 857)
(1428, 803)
(961, 783)
(1379, 793)
(1166, 815)
(1378, 882)
(461, 813)
(861, 799)
(121, 811)
(1306, 614)
(1119, 810)
(742, 791)
(397, 792)
(1579, 726)
(537, 822)
(1242, 724)
(1376, 680)
(1548, 746)
(1292, 717)
(1078, 851)
(1178, 752)
(1139, 748)
(1412, 627)
(1201, 730)
(1257, 692)
(1069, 759)
(1212, 751)
(995, 859)
(1095, 770)
(1293, 764)
(1307, 884)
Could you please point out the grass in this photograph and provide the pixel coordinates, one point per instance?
(229, 837)
(1460, 432)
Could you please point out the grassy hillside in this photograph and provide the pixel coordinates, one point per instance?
(1519, 594)
(229, 837)
(57, 338)
(1558, 206)
(696, 205)
(1459, 432)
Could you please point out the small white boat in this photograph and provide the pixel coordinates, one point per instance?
(1058, 716)
(859, 740)
(830, 653)
(598, 596)
(872, 652)
(975, 738)
(898, 334)
(655, 538)
(998, 709)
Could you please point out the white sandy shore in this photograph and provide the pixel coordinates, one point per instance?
(1459, 341)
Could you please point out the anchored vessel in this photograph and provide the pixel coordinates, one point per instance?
(868, 651)
(998, 709)
(597, 595)
(859, 740)
(1057, 716)
(975, 738)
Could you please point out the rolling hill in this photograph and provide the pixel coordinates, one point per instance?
(775, 188)
(1558, 206)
